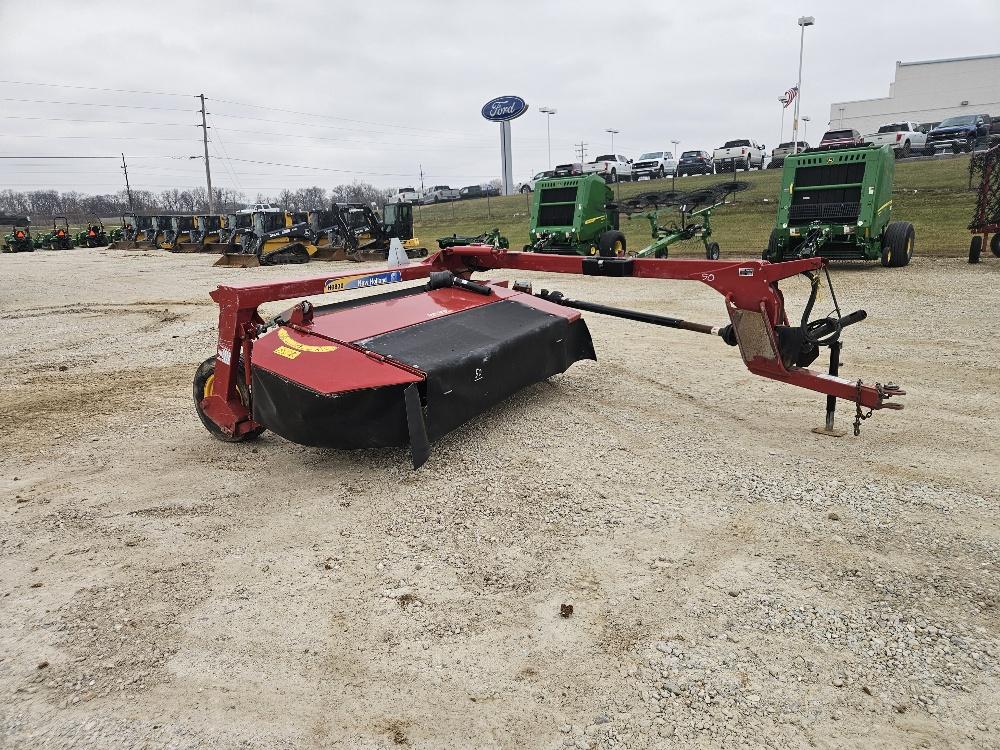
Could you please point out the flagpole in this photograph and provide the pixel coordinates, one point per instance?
(783, 101)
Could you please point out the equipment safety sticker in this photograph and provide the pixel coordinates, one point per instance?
(362, 281)
(225, 355)
(744, 271)
(296, 347)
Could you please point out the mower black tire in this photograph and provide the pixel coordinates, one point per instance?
(897, 244)
(611, 244)
(772, 252)
(204, 378)
(975, 248)
(995, 245)
(712, 251)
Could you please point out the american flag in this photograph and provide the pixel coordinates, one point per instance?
(790, 95)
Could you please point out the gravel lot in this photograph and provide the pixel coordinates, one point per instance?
(737, 581)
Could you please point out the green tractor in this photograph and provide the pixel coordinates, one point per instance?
(18, 240)
(837, 204)
(59, 238)
(93, 235)
(575, 216)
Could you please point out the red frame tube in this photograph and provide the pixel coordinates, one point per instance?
(747, 285)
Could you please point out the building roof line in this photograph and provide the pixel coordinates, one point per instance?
(947, 60)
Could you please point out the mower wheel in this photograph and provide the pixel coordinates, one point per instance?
(772, 252)
(995, 245)
(204, 381)
(712, 251)
(897, 244)
(611, 244)
(975, 248)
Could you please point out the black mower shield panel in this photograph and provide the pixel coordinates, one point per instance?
(352, 378)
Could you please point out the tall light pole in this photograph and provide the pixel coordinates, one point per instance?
(803, 22)
(548, 112)
(677, 154)
(805, 128)
(612, 131)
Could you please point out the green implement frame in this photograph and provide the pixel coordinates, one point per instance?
(695, 208)
(492, 237)
(837, 204)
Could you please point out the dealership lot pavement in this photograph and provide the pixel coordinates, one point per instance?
(736, 580)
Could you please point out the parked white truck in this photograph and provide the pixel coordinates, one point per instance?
(439, 194)
(654, 165)
(903, 137)
(742, 153)
(612, 167)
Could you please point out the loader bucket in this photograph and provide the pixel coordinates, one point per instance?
(215, 247)
(237, 260)
(186, 247)
(329, 252)
(122, 245)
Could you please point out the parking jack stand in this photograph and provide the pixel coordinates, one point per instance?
(831, 401)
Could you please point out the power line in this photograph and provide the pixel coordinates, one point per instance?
(322, 169)
(93, 104)
(91, 88)
(76, 119)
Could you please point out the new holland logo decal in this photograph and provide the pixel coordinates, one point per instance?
(362, 281)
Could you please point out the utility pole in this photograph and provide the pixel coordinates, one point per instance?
(208, 169)
(581, 150)
(128, 189)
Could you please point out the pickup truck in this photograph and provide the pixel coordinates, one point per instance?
(654, 165)
(742, 153)
(439, 194)
(902, 137)
(784, 149)
(612, 167)
(960, 133)
(405, 195)
(255, 207)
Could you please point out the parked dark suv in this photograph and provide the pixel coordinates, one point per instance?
(695, 162)
(961, 133)
(844, 138)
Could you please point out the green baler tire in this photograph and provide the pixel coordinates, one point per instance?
(897, 244)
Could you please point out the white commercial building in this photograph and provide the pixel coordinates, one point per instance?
(928, 91)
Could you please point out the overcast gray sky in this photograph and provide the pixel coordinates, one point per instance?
(370, 91)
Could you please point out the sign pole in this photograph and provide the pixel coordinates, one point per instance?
(507, 163)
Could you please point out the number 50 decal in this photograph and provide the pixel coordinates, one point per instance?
(708, 277)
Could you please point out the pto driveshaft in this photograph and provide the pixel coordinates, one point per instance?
(641, 317)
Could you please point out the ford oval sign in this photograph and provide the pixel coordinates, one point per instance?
(504, 108)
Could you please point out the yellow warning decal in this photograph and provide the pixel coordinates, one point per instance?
(284, 351)
(287, 340)
(592, 220)
(884, 206)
